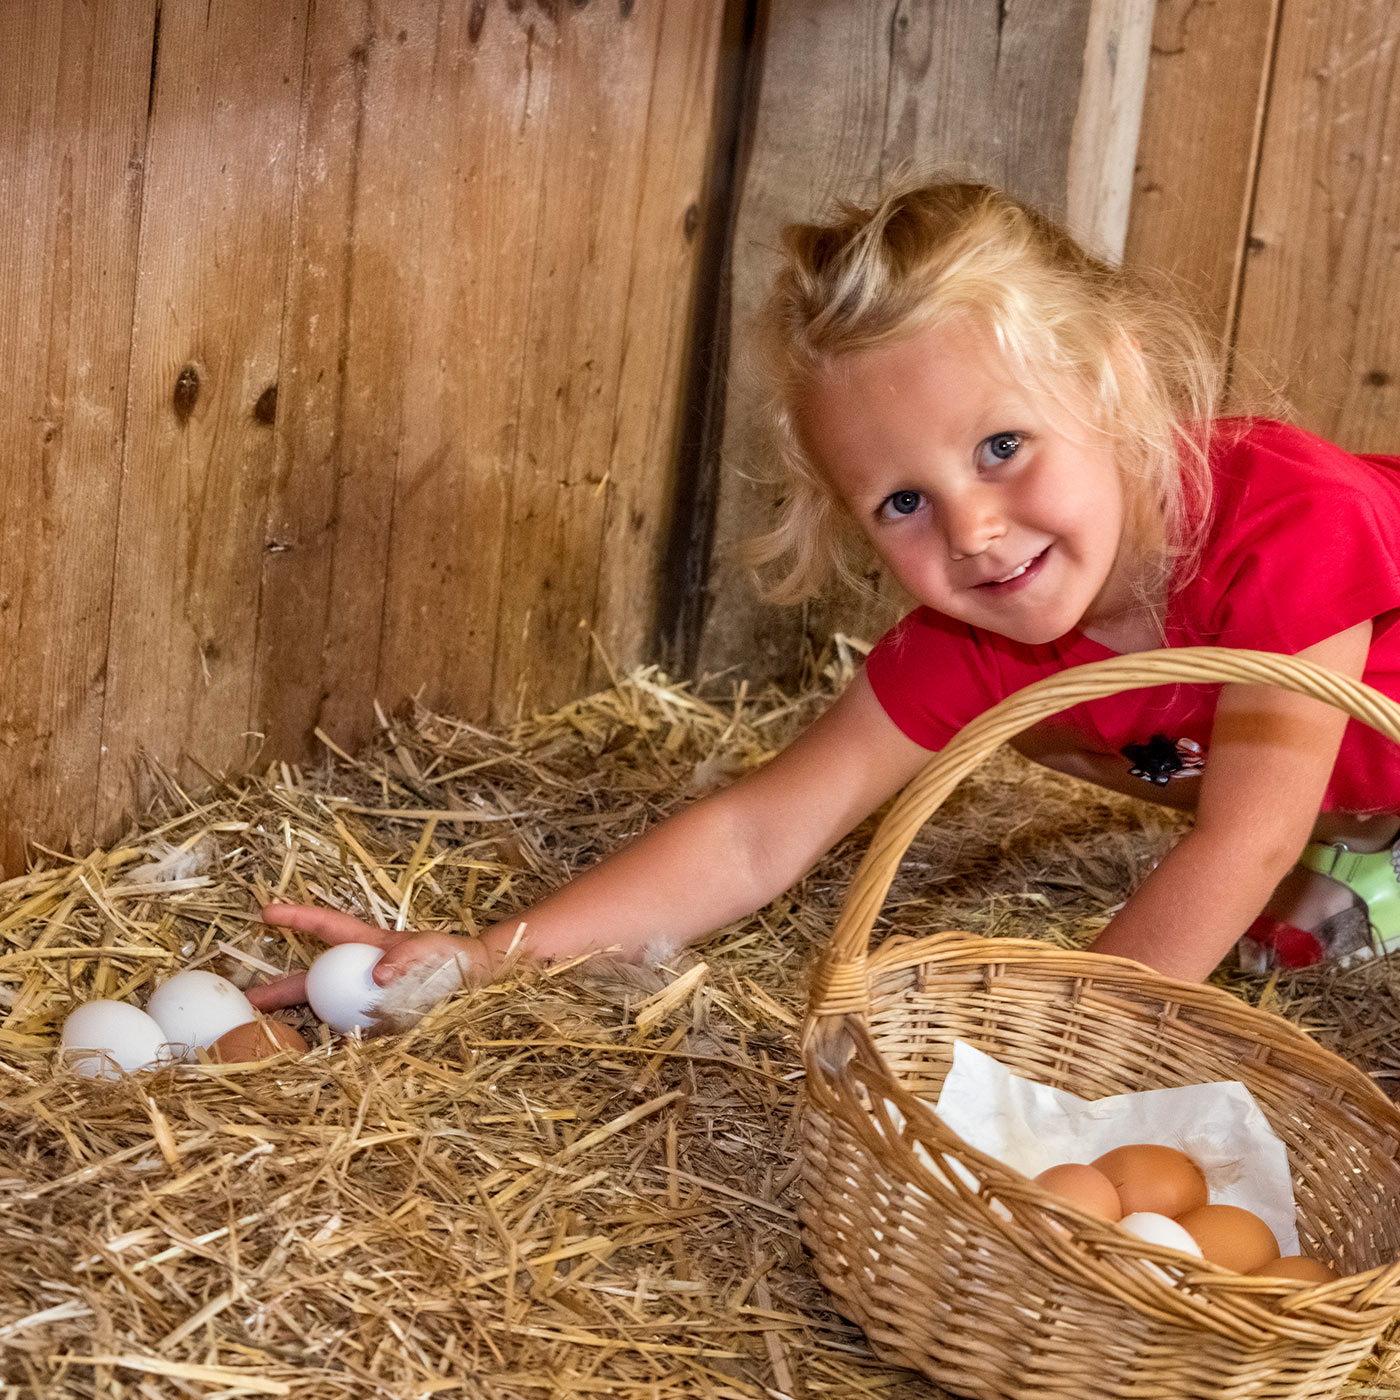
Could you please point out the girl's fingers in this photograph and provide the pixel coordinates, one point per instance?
(392, 966)
(329, 925)
(286, 991)
(439, 967)
(452, 960)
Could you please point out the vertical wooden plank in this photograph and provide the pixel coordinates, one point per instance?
(990, 89)
(73, 93)
(1104, 142)
(851, 94)
(1322, 277)
(601, 62)
(488, 140)
(211, 282)
(1198, 150)
(835, 88)
(463, 308)
(664, 248)
(354, 292)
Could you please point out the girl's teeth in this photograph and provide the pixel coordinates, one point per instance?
(1015, 573)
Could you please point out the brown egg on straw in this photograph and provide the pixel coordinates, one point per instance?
(256, 1041)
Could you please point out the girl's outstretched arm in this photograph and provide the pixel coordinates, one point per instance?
(1271, 755)
(712, 862)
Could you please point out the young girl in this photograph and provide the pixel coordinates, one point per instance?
(1029, 443)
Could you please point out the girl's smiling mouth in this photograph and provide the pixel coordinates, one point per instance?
(1021, 575)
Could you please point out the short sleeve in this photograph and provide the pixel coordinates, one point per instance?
(1306, 544)
(924, 673)
(932, 675)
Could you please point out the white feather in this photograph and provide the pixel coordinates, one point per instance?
(419, 988)
(170, 863)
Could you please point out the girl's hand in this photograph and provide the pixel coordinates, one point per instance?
(403, 949)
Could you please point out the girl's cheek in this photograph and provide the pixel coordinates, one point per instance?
(919, 572)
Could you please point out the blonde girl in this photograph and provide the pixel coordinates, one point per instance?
(1029, 443)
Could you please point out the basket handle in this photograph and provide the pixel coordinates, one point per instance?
(841, 984)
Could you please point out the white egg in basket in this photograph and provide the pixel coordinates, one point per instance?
(1147, 1225)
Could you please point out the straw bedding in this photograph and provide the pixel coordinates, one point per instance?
(574, 1182)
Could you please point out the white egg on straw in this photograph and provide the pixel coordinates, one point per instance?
(196, 1007)
(102, 1038)
(340, 989)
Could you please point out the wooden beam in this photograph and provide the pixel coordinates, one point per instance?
(1104, 141)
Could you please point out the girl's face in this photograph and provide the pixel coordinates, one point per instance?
(989, 505)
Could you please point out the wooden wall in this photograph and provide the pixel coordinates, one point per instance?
(348, 342)
(344, 345)
(1291, 231)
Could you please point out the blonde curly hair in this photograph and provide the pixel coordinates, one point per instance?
(929, 254)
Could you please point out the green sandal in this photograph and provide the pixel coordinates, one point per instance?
(1369, 929)
(1374, 878)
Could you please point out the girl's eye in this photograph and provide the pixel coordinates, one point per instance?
(902, 503)
(1000, 447)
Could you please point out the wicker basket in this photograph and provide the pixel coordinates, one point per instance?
(965, 1270)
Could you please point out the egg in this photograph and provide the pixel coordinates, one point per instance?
(1159, 1180)
(340, 989)
(196, 1008)
(1083, 1186)
(130, 1038)
(1230, 1236)
(1296, 1266)
(256, 1041)
(1152, 1228)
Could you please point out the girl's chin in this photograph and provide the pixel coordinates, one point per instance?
(1036, 636)
(1029, 631)
(1038, 630)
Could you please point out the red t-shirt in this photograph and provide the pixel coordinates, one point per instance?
(1303, 542)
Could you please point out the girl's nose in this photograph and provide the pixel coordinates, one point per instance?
(973, 525)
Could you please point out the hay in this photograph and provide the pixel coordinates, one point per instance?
(576, 1183)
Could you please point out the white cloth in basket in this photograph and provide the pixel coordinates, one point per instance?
(1030, 1127)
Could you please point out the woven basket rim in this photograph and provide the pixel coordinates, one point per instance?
(901, 952)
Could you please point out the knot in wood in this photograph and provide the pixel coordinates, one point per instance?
(186, 393)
